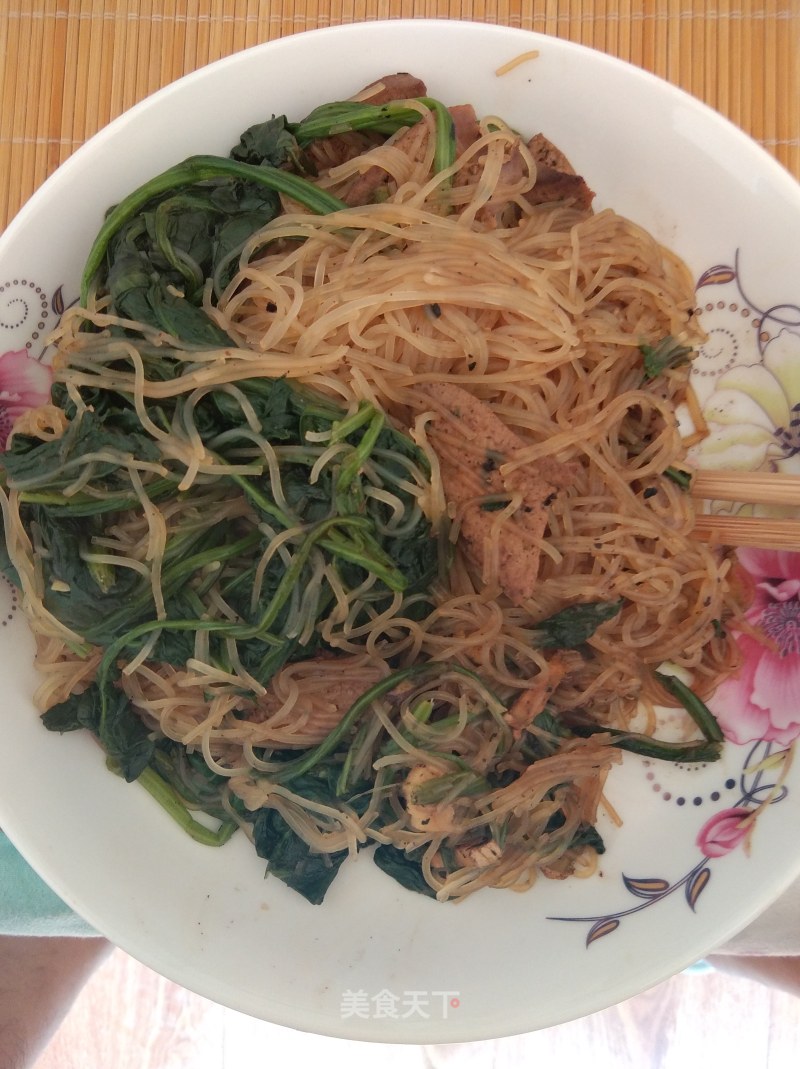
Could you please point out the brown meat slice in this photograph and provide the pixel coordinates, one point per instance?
(465, 126)
(365, 186)
(556, 179)
(472, 444)
(328, 152)
(549, 155)
(498, 210)
(400, 86)
(467, 131)
(552, 186)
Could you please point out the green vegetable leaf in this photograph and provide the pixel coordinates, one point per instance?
(545, 737)
(277, 405)
(72, 591)
(575, 624)
(403, 867)
(122, 734)
(54, 464)
(6, 567)
(78, 711)
(291, 859)
(268, 142)
(585, 834)
(180, 318)
(190, 173)
(588, 835)
(125, 738)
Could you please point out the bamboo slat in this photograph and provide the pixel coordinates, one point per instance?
(67, 67)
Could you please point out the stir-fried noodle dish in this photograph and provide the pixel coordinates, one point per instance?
(358, 517)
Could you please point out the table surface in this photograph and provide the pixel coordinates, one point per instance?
(67, 67)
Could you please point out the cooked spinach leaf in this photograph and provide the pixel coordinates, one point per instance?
(291, 859)
(132, 228)
(121, 733)
(53, 465)
(585, 834)
(77, 712)
(588, 835)
(6, 567)
(574, 625)
(405, 867)
(270, 142)
(546, 739)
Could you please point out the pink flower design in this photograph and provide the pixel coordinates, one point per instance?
(724, 831)
(763, 700)
(24, 383)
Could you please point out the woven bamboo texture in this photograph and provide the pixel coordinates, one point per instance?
(67, 67)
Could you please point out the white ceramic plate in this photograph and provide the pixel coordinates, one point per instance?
(376, 962)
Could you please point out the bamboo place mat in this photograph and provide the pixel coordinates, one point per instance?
(67, 67)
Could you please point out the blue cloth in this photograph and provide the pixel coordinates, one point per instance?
(27, 905)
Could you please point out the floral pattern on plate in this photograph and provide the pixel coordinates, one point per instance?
(747, 381)
(26, 313)
(24, 383)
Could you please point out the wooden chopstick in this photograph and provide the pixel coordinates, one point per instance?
(748, 487)
(756, 531)
(753, 487)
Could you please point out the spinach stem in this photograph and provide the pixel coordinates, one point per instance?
(169, 799)
(682, 478)
(697, 709)
(345, 116)
(343, 428)
(351, 467)
(292, 574)
(444, 153)
(703, 750)
(84, 505)
(169, 581)
(367, 554)
(228, 627)
(261, 501)
(313, 757)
